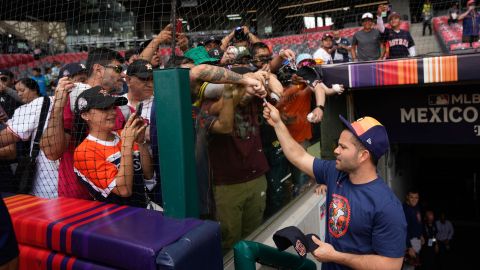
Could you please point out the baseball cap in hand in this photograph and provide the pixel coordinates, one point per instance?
(293, 236)
(97, 98)
(140, 68)
(371, 133)
(199, 55)
(470, 2)
(72, 69)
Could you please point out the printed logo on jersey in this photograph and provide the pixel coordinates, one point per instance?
(339, 216)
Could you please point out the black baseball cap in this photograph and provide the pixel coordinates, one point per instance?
(140, 68)
(72, 69)
(211, 39)
(97, 98)
(293, 236)
(6, 72)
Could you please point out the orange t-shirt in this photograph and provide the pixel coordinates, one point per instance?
(96, 164)
(294, 106)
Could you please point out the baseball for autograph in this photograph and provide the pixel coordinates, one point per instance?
(310, 117)
(336, 87)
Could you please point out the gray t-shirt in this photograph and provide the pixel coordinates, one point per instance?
(368, 44)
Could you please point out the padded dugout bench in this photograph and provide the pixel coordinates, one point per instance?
(66, 233)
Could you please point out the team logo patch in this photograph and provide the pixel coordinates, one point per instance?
(339, 216)
(300, 248)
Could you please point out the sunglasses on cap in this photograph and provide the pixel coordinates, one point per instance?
(4, 79)
(117, 68)
(307, 63)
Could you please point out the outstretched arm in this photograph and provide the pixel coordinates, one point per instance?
(292, 149)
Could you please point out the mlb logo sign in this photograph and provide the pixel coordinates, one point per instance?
(300, 248)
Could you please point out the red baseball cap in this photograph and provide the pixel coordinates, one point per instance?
(470, 2)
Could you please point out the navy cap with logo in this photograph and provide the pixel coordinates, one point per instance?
(97, 98)
(140, 68)
(72, 69)
(371, 133)
(293, 236)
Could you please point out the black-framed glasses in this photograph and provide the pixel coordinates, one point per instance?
(117, 68)
(4, 79)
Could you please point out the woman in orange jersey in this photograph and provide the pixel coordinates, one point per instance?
(115, 167)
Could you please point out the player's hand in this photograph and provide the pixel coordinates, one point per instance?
(271, 114)
(254, 86)
(321, 189)
(412, 253)
(325, 252)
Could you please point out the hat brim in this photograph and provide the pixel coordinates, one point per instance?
(143, 75)
(348, 125)
(109, 101)
(208, 60)
(367, 18)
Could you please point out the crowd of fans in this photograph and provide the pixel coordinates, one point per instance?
(99, 139)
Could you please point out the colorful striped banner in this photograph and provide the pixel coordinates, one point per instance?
(383, 73)
(93, 230)
(440, 69)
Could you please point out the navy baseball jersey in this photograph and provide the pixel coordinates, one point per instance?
(398, 42)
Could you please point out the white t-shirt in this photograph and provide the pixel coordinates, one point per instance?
(324, 55)
(147, 106)
(24, 124)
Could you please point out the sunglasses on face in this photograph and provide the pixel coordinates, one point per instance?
(117, 68)
(4, 79)
(264, 60)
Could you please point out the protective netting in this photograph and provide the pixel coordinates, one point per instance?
(90, 149)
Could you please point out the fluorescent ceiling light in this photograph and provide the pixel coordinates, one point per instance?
(305, 4)
(234, 18)
(233, 15)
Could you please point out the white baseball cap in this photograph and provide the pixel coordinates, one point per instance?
(367, 15)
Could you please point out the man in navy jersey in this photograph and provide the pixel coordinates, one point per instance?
(365, 221)
(399, 42)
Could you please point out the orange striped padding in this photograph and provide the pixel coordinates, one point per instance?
(440, 69)
(364, 124)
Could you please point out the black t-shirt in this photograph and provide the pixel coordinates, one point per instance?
(398, 42)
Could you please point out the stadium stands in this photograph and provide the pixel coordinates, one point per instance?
(450, 36)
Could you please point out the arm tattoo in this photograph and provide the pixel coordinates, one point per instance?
(218, 75)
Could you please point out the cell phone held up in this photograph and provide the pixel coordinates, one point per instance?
(138, 110)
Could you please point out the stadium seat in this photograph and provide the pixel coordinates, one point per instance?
(460, 46)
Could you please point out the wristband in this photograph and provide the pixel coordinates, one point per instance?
(321, 107)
